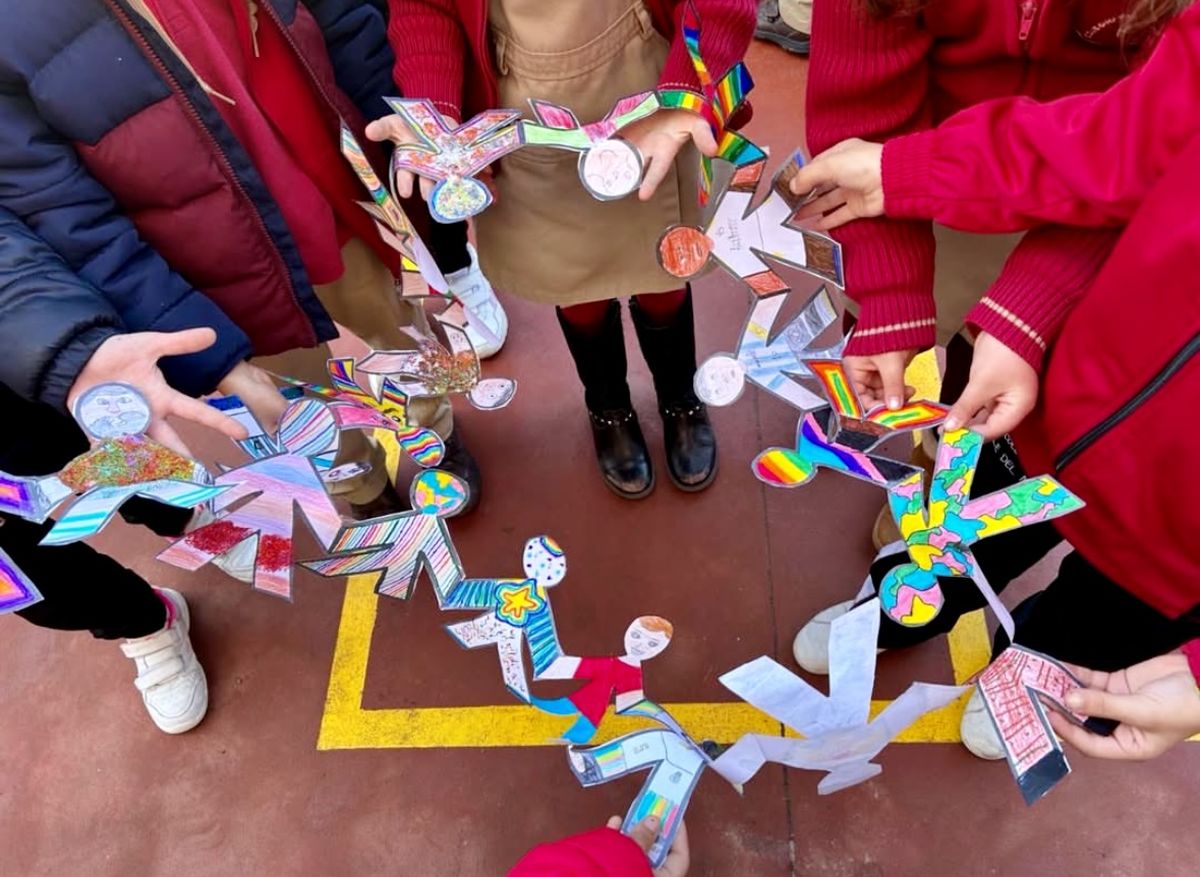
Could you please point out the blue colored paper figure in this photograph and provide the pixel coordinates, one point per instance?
(518, 610)
(400, 546)
(675, 765)
(772, 360)
(123, 463)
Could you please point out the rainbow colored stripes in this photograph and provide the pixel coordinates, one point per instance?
(654, 804)
(914, 415)
(17, 592)
(422, 445)
(780, 467)
(831, 374)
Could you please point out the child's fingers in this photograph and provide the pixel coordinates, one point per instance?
(838, 218)
(656, 172)
(1129, 709)
(702, 136)
(645, 832)
(402, 182)
(965, 409)
(822, 204)
(204, 414)
(165, 434)
(1085, 741)
(613, 822)
(1001, 420)
(891, 374)
(427, 186)
(817, 174)
(391, 128)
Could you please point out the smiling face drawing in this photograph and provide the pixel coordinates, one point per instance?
(112, 410)
(647, 637)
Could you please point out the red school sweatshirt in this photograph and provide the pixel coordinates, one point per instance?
(880, 78)
(603, 852)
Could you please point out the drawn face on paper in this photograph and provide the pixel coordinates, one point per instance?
(647, 637)
(492, 393)
(720, 380)
(545, 561)
(684, 250)
(113, 410)
(611, 169)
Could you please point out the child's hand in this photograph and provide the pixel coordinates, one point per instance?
(1002, 389)
(133, 359)
(660, 137)
(254, 387)
(645, 833)
(1156, 702)
(879, 379)
(848, 178)
(395, 129)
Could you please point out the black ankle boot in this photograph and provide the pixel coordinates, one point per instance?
(620, 446)
(670, 352)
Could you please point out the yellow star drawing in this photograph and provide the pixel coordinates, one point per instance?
(517, 601)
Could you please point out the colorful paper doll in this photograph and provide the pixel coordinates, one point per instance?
(839, 735)
(743, 238)
(122, 464)
(675, 765)
(518, 610)
(605, 679)
(610, 167)
(1018, 688)
(771, 360)
(17, 592)
(718, 103)
(274, 486)
(940, 535)
(453, 156)
(400, 546)
(841, 437)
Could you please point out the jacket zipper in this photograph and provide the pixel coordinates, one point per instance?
(266, 4)
(177, 88)
(1178, 361)
(1029, 11)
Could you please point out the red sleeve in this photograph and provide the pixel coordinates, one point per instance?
(603, 852)
(1192, 651)
(590, 668)
(869, 78)
(430, 48)
(1087, 159)
(726, 28)
(1041, 282)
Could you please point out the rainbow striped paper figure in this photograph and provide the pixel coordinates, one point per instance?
(840, 437)
(940, 534)
(718, 102)
(17, 592)
(675, 765)
(398, 547)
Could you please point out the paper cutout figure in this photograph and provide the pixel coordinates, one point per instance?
(609, 166)
(606, 678)
(675, 766)
(841, 437)
(839, 736)
(772, 362)
(122, 464)
(518, 610)
(435, 370)
(274, 485)
(386, 409)
(453, 156)
(940, 535)
(400, 546)
(741, 237)
(1017, 689)
(718, 103)
(17, 592)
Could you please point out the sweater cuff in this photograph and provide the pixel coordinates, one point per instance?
(1009, 329)
(893, 321)
(1192, 652)
(906, 176)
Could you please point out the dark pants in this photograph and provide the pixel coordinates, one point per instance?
(448, 245)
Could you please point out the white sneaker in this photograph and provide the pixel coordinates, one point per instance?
(810, 648)
(978, 732)
(238, 561)
(477, 294)
(169, 677)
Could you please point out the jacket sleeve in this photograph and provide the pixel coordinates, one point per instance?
(1087, 159)
(726, 28)
(603, 852)
(43, 183)
(431, 49)
(357, 40)
(1192, 651)
(51, 321)
(870, 78)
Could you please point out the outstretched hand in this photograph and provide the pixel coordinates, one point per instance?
(848, 182)
(660, 137)
(133, 359)
(646, 832)
(1157, 703)
(1002, 389)
(397, 130)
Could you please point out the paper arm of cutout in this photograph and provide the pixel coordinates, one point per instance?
(92, 512)
(675, 767)
(453, 156)
(1017, 689)
(939, 538)
(17, 592)
(33, 499)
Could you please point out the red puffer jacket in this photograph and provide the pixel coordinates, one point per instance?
(1118, 419)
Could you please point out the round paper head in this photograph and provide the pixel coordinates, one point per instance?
(492, 393)
(720, 380)
(345, 472)
(611, 169)
(545, 561)
(458, 198)
(112, 410)
(435, 492)
(683, 251)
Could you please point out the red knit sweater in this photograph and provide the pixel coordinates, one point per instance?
(880, 78)
(444, 48)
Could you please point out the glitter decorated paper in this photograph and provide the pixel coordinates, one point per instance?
(17, 592)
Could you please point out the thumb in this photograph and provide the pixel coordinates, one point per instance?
(891, 373)
(810, 177)
(186, 341)
(645, 833)
(971, 400)
(1003, 419)
(1130, 709)
(388, 128)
